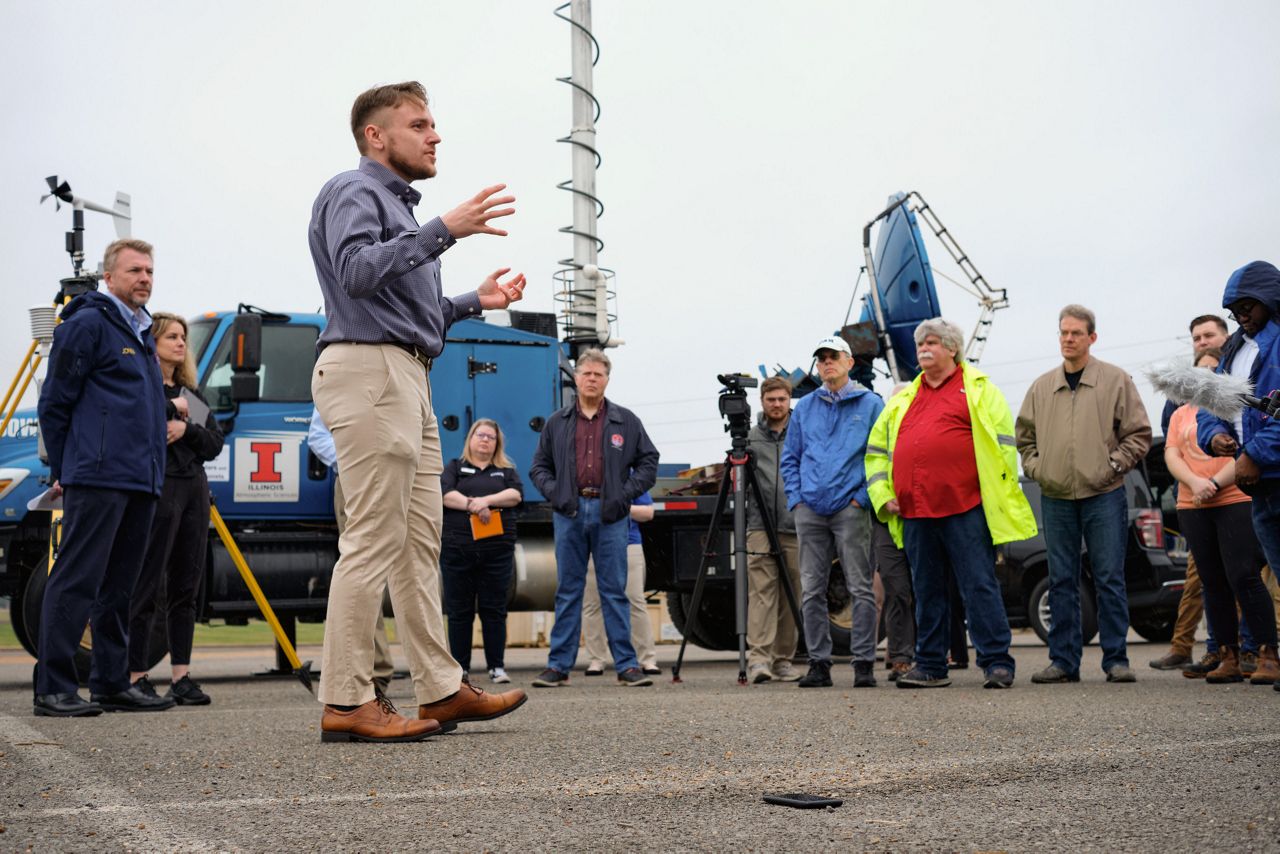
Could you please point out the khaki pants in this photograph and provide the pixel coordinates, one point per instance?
(771, 627)
(641, 628)
(1190, 612)
(383, 668)
(376, 401)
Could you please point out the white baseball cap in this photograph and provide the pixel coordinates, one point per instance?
(834, 342)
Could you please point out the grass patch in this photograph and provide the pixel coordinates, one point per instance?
(256, 633)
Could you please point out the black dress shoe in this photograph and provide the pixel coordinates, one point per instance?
(133, 699)
(69, 705)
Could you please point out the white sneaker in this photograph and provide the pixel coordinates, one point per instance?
(758, 673)
(498, 676)
(785, 671)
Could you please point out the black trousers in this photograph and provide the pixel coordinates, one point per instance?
(1229, 560)
(172, 571)
(104, 539)
(477, 579)
(899, 602)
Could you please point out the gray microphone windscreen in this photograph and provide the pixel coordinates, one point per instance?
(1221, 394)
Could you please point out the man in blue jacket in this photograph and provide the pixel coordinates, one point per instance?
(822, 470)
(102, 418)
(593, 459)
(1252, 296)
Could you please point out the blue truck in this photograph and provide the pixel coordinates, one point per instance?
(275, 496)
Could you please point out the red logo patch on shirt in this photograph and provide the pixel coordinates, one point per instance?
(616, 440)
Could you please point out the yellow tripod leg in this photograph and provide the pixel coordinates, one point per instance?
(302, 671)
(28, 366)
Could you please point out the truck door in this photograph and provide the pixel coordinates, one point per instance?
(262, 471)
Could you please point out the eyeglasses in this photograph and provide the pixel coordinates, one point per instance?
(488, 437)
(1242, 309)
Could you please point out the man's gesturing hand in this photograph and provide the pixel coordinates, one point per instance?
(496, 294)
(473, 215)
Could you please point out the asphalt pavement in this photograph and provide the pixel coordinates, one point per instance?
(1166, 765)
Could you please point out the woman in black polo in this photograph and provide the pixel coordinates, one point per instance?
(174, 565)
(477, 552)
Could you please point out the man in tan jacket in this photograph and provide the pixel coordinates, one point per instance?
(1081, 428)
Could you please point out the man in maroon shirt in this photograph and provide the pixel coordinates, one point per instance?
(942, 473)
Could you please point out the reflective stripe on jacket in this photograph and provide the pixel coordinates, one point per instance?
(1009, 516)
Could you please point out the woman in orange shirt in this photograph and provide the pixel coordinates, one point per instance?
(1217, 521)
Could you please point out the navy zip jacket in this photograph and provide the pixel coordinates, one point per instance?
(1261, 440)
(102, 406)
(630, 462)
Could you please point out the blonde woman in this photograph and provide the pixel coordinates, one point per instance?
(174, 564)
(476, 564)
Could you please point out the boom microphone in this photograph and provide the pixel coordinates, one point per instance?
(1222, 394)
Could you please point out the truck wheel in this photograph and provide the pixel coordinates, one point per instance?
(1038, 611)
(715, 628)
(32, 602)
(18, 616)
(1156, 630)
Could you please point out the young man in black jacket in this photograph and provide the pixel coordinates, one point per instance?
(102, 418)
(593, 459)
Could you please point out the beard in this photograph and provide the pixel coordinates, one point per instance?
(420, 171)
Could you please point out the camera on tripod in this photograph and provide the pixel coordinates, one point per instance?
(734, 407)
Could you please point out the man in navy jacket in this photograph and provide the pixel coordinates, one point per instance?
(593, 459)
(102, 419)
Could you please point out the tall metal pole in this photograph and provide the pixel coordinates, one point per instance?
(583, 136)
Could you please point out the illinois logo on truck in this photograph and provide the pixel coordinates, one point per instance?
(267, 467)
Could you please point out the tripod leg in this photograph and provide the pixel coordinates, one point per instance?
(713, 541)
(742, 472)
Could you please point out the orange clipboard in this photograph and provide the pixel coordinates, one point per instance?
(482, 531)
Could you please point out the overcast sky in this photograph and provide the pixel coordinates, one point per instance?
(1122, 155)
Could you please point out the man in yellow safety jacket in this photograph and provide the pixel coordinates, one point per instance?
(942, 473)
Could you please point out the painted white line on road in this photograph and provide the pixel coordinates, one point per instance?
(659, 784)
(120, 815)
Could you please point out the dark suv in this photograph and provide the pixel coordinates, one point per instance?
(1155, 564)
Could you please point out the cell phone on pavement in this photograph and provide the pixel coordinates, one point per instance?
(799, 800)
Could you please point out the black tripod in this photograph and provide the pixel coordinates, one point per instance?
(739, 474)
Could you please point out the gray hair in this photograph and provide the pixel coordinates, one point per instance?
(1079, 312)
(593, 354)
(950, 334)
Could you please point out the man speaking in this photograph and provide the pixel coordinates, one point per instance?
(380, 274)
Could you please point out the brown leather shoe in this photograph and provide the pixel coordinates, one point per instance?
(1228, 669)
(377, 721)
(899, 668)
(473, 704)
(1268, 672)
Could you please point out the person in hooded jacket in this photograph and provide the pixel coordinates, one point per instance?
(102, 420)
(174, 565)
(1252, 295)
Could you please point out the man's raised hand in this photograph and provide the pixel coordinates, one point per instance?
(473, 215)
(498, 294)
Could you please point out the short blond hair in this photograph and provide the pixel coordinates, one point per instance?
(379, 98)
(114, 250)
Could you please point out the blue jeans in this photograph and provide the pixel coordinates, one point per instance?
(963, 543)
(1266, 525)
(1103, 521)
(578, 538)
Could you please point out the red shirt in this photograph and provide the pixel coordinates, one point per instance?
(935, 472)
(588, 439)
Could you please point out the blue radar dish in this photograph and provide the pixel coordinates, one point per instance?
(904, 280)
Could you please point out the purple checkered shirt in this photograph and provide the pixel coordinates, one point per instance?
(379, 271)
